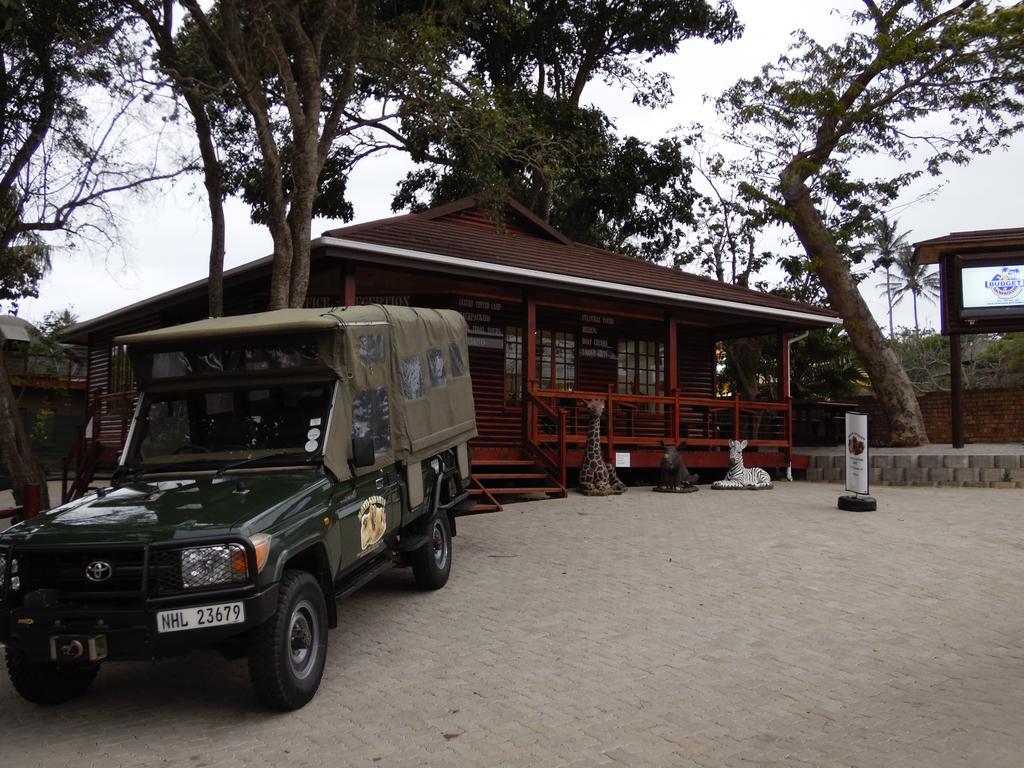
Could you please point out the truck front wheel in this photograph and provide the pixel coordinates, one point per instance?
(288, 652)
(432, 563)
(42, 682)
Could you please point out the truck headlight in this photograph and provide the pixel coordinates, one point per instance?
(214, 566)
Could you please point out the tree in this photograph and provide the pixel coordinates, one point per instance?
(923, 82)
(925, 356)
(886, 242)
(508, 118)
(913, 279)
(723, 239)
(58, 166)
(824, 366)
(292, 66)
(196, 82)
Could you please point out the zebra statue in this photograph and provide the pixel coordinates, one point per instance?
(739, 478)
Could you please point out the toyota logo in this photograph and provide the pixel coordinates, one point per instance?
(99, 570)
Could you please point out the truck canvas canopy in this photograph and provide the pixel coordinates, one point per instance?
(401, 372)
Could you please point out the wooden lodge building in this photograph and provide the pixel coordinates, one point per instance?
(553, 324)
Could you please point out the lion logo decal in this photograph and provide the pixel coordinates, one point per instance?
(373, 521)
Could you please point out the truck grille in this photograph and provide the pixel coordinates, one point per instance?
(165, 573)
(117, 575)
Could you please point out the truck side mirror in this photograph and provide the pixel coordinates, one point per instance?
(363, 454)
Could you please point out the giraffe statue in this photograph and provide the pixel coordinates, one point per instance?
(597, 477)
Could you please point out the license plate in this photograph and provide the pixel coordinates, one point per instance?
(200, 617)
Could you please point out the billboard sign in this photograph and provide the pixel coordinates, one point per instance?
(993, 287)
(858, 466)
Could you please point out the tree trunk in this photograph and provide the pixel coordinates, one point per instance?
(888, 296)
(916, 326)
(300, 217)
(212, 180)
(15, 447)
(889, 381)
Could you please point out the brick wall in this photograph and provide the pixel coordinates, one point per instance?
(990, 416)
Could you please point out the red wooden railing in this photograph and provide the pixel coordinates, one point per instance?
(639, 421)
(546, 435)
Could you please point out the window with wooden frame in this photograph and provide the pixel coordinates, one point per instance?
(513, 365)
(641, 366)
(556, 359)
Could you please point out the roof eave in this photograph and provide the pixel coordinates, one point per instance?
(503, 272)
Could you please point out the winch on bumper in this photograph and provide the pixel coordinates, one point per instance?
(89, 603)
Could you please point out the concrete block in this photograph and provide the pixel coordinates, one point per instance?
(929, 460)
(904, 460)
(876, 474)
(838, 461)
(990, 475)
(1002, 485)
(1008, 462)
(964, 475)
(821, 462)
(894, 475)
(982, 461)
(916, 475)
(834, 475)
(956, 461)
(815, 474)
(883, 461)
(941, 474)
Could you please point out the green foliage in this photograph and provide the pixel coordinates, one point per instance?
(748, 366)
(23, 263)
(242, 159)
(923, 83)
(990, 361)
(51, 164)
(1006, 350)
(724, 228)
(908, 278)
(505, 117)
(886, 243)
(824, 366)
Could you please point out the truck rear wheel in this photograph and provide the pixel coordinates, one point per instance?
(42, 682)
(288, 652)
(432, 563)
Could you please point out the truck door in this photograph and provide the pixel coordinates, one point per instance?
(368, 520)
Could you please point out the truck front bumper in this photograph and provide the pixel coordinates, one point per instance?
(127, 634)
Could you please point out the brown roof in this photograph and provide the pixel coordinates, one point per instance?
(464, 230)
(929, 251)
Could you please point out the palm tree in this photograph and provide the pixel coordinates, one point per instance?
(909, 277)
(887, 242)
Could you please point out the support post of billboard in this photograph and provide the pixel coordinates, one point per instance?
(858, 465)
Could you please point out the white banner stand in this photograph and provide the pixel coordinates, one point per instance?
(858, 466)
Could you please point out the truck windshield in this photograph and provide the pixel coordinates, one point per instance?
(220, 426)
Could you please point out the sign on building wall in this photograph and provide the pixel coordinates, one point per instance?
(858, 467)
(992, 286)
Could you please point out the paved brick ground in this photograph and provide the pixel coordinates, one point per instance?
(642, 630)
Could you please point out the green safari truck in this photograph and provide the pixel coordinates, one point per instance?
(276, 462)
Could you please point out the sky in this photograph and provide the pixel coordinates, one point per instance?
(164, 234)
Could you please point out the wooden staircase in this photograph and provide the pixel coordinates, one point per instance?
(495, 480)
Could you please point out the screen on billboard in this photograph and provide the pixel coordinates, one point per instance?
(993, 287)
